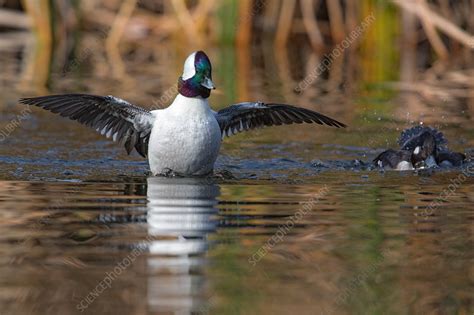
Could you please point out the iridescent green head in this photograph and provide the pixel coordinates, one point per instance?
(197, 76)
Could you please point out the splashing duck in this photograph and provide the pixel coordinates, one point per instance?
(420, 147)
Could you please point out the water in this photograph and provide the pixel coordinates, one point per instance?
(351, 244)
(303, 226)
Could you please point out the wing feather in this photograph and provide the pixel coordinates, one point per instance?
(112, 117)
(246, 116)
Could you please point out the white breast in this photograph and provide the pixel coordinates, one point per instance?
(404, 166)
(185, 138)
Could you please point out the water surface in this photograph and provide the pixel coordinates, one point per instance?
(306, 226)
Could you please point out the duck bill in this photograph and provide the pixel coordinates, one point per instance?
(208, 84)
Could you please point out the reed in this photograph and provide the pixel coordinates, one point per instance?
(442, 29)
(323, 22)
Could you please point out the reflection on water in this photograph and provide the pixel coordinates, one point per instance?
(395, 254)
(182, 213)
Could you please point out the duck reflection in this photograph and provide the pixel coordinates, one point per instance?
(181, 216)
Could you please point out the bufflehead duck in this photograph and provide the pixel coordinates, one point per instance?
(420, 147)
(395, 159)
(185, 137)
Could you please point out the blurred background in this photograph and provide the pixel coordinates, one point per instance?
(260, 49)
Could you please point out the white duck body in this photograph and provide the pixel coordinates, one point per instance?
(185, 138)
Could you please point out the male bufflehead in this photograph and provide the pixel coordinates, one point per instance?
(420, 147)
(186, 136)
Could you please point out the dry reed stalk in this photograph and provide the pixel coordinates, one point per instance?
(270, 15)
(351, 12)
(285, 22)
(113, 39)
(311, 24)
(438, 21)
(432, 34)
(186, 20)
(11, 18)
(37, 70)
(201, 14)
(336, 20)
(244, 31)
(13, 40)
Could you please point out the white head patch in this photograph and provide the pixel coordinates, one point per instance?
(189, 71)
(417, 150)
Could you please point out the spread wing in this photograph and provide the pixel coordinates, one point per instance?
(412, 137)
(249, 115)
(110, 116)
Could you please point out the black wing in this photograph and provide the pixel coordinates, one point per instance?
(415, 136)
(110, 116)
(250, 115)
(391, 158)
